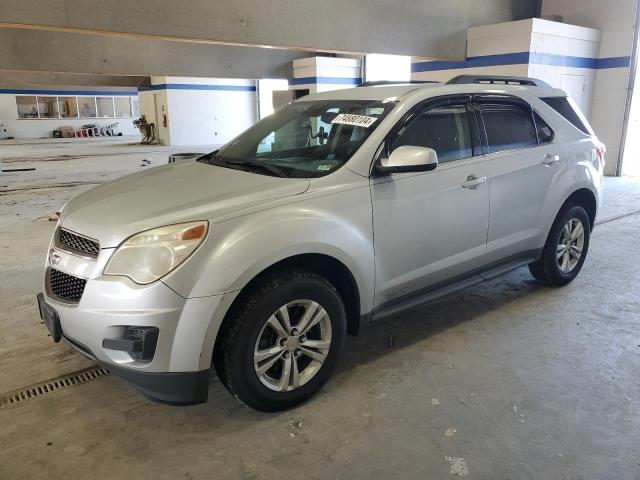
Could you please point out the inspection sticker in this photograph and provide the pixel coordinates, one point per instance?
(352, 119)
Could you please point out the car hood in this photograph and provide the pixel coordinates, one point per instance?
(173, 193)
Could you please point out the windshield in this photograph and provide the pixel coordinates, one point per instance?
(303, 139)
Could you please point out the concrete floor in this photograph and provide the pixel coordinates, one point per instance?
(505, 380)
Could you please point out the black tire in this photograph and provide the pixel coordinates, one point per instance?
(234, 351)
(547, 269)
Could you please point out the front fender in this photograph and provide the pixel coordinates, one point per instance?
(236, 250)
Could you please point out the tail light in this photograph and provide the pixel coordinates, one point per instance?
(600, 151)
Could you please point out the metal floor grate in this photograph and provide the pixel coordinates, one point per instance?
(44, 388)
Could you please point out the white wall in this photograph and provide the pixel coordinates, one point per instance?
(266, 87)
(540, 44)
(153, 105)
(564, 40)
(200, 111)
(586, 55)
(44, 127)
(615, 19)
(381, 67)
(321, 74)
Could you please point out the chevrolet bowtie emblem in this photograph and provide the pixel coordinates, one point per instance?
(54, 258)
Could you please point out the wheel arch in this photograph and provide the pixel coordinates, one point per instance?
(587, 200)
(327, 266)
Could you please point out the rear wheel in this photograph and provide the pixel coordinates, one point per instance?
(282, 343)
(566, 248)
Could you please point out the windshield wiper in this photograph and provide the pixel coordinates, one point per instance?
(259, 164)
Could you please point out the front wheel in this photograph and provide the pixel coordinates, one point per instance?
(281, 344)
(566, 248)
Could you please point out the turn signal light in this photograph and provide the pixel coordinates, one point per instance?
(194, 233)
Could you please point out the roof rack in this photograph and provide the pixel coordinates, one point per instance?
(394, 82)
(500, 79)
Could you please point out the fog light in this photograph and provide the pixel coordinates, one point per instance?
(139, 342)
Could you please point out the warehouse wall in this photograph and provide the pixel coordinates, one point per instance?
(615, 19)
(321, 74)
(43, 128)
(591, 64)
(200, 111)
(565, 56)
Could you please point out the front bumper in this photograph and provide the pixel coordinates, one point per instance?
(174, 388)
(178, 373)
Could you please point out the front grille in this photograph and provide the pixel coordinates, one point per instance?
(78, 243)
(64, 286)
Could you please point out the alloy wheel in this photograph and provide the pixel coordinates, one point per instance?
(292, 345)
(570, 245)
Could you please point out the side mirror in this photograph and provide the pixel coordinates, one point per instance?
(409, 159)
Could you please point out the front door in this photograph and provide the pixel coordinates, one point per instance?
(431, 227)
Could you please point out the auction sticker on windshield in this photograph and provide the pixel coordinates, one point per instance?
(352, 119)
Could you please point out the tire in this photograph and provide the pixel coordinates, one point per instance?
(558, 264)
(249, 332)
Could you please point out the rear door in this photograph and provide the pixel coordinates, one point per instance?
(523, 160)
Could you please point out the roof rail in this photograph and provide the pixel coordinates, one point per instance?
(501, 79)
(394, 82)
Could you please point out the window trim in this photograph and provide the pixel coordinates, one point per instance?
(18, 107)
(510, 100)
(425, 105)
(78, 116)
(553, 132)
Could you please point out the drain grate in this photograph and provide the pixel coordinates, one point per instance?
(44, 388)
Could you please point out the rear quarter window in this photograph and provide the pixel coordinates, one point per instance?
(564, 108)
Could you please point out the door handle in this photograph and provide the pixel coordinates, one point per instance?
(473, 181)
(550, 159)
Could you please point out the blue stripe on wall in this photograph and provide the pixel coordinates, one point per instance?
(520, 58)
(470, 62)
(325, 80)
(194, 86)
(614, 62)
(78, 93)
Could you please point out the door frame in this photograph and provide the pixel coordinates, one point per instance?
(630, 91)
(452, 99)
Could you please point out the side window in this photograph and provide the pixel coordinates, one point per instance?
(507, 127)
(564, 108)
(445, 129)
(545, 134)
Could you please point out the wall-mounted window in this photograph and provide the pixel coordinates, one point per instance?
(68, 107)
(27, 107)
(105, 107)
(87, 107)
(76, 107)
(135, 107)
(48, 107)
(122, 106)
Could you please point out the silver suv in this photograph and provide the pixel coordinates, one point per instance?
(338, 210)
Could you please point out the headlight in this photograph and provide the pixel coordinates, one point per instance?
(147, 256)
